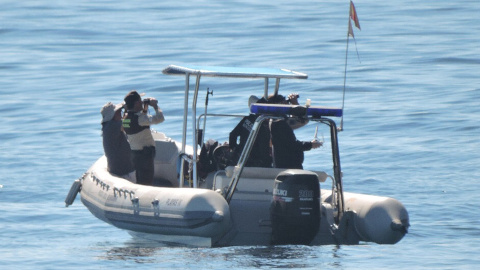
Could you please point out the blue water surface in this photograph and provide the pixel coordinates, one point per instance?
(411, 125)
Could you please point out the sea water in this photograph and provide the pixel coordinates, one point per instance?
(411, 125)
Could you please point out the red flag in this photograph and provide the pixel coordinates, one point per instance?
(350, 30)
(354, 16)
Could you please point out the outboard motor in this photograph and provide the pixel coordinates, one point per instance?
(295, 208)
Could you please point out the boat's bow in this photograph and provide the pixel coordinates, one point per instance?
(176, 213)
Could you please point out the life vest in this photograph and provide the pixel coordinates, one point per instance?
(130, 124)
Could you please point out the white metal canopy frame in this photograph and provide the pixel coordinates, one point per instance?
(229, 72)
(314, 113)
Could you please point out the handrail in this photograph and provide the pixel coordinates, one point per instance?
(198, 128)
(216, 115)
(337, 170)
(338, 198)
(245, 154)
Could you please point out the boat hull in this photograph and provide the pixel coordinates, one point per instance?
(202, 216)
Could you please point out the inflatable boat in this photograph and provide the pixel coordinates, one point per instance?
(232, 204)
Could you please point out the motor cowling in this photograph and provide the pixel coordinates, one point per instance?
(295, 208)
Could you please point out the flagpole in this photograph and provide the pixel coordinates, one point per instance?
(345, 73)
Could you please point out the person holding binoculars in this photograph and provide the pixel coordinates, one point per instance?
(136, 124)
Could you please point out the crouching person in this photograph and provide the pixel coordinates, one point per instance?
(136, 124)
(115, 144)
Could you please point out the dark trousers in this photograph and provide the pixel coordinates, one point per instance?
(143, 160)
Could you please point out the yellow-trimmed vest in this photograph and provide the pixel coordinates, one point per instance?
(130, 124)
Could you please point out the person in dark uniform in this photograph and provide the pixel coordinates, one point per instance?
(260, 153)
(136, 124)
(287, 150)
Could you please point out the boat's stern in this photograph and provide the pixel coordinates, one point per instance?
(368, 218)
(382, 220)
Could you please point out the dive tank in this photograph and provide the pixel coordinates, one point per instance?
(295, 208)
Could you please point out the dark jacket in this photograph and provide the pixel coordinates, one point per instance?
(260, 153)
(116, 148)
(287, 150)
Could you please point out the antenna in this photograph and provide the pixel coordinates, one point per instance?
(201, 133)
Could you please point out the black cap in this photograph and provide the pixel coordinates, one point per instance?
(277, 99)
(131, 98)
